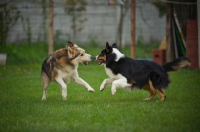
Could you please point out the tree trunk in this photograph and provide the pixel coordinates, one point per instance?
(169, 35)
(133, 45)
(51, 38)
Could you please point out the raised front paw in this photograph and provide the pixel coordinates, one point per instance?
(91, 90)
(102, 87)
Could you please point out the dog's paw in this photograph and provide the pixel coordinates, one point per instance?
(64, 98)
(113, 91)
(91, 90)
(43, 98)
(102, 87)
(147, 99)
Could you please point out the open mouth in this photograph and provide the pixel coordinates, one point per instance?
(85, 62)
(101, 61)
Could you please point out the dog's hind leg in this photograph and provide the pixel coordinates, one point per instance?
(152, 92)
(159, 91)
(63, 86)
(45, 84)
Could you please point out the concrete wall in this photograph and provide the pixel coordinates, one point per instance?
(102, 22)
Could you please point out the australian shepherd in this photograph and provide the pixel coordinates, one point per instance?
(124, 72)
(62, 65)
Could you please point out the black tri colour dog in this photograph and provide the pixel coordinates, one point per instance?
(124, 72)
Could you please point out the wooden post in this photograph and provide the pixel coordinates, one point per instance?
(169, 35)
(198, 20)
(51, 36)
(133, 45)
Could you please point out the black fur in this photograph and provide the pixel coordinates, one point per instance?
(47, 65)
(140, 71)
(170, 65)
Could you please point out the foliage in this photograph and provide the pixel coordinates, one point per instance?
(23, 110)
(27, 28)
(60, 40)
(43, 4)
(144, 50)
(93, 40)
(9, 14)
(74, 8)
(161, 7)
(35, 53)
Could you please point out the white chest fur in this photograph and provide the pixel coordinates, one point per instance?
(66, 73)
(111, 74)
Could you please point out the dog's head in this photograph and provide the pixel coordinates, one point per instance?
(74, 53)
(102, 57)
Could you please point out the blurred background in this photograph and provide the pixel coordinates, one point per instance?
(50, 24)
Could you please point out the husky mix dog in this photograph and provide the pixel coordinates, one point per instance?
(62, 65)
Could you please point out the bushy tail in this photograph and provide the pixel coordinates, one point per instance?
(177, 64)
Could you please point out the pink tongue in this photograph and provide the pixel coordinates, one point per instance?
(85, 62)
(100, 62)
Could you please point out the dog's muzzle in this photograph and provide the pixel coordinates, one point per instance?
(95, 58)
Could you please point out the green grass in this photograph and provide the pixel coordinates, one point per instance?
(23, 110)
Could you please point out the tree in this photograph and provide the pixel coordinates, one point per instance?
(9, 14)
(74, 6)
(123, 11)
(44, 6)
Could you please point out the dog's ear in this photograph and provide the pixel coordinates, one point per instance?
(114, 45)
(70, 52)
(70, 44)
(107, 47)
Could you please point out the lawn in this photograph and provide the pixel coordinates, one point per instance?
(21, 107)
(23, 110)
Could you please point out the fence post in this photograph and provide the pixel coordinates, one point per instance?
(51, 36)
(169, 36)
(133, 45)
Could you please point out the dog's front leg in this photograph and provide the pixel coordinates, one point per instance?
(80, 81)
(106, 82)
(122, 83)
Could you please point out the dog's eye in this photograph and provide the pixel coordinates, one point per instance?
(81, 54)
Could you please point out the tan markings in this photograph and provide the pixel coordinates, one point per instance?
(70, 44)
(183, 64)
(61, 52)
(152, 92)
(107, 50)
(50, 57)
(54, 74)
(159, 91)
(62, 61)
(132, 82)
(101, 58)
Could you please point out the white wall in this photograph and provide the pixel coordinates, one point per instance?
(102, 22)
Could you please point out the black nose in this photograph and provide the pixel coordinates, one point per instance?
(91, 57)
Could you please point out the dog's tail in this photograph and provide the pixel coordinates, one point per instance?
(177, 64)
